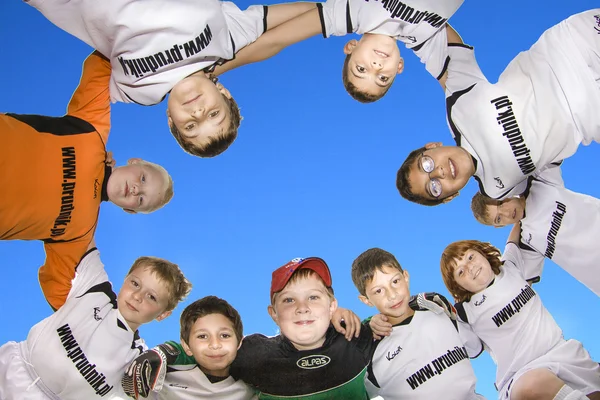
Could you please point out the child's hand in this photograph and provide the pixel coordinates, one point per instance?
(380, 326)
(351, 322)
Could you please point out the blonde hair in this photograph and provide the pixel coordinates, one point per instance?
(456, 250)
(169, 273)
(300, 274)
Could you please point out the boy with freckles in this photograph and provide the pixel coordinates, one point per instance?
(81, 350)
(423, 356)
(57, 172)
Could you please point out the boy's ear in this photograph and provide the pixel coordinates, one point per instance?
(135, 160)
(163, 315)
(240, 345)
(169, 119)
(186, 348)
(406, 277)
(223, 90)
(400, 66)
(273, 314)
(129, 211)
(332, 307)
(450, 198)
(349, 46)
(433, 145)
(365, 300)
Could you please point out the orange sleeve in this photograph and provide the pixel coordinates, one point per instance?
(56, 274)
(91, 100)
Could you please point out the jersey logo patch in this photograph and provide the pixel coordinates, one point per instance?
(313, 362)
(390, 356)
(597, 17)
(96, 312)
(499, 183)
(480, 302)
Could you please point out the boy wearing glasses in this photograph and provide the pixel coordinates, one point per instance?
(553, 222)
(544, 105)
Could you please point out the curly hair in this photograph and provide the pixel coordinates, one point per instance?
(456, 250)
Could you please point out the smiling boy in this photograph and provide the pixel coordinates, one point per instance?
(56, 174)
(553, 223)
(371, 63)
(81, 350)
(542, 108)
(421, 343)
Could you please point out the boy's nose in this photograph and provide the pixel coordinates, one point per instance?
(376, 64)
(438, 172)
(134, 190)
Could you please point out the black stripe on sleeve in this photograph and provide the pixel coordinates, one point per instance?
(466, 46)
(265, 12)
(67, 125)
(322, 19)
(349, 28)
(444, 68)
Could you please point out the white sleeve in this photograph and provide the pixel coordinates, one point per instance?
(244, 26)
(434, 53)
(463, 70)
(516, 190)
(533, 263)
(551, 174)
(89, 272)
(513, 257)
(472, 343)
(333, 18)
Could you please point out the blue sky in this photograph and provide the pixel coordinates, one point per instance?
(311, 174)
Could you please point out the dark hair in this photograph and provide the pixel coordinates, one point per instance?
(479, 205)
(457, 250)
(403, 185)
(369, 262)
(353, 90)
(216, 144)
(206, 306)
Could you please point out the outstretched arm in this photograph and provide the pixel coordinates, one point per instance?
(453, 37)
(277, 14)
(274, 40)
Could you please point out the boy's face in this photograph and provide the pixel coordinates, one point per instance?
(142, 298)
(450, 166)
(197, 108)
(303, 311)
(508, 212)
(473, 272)
(137, 186)
(374, 63)
(388, 292)
(213, 344)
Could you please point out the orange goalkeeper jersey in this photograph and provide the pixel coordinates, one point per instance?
(53, 174)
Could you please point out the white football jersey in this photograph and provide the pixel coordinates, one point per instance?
(544, 104)
(563, 226)
(510, 319)
(188, 382)
(423, 358)
(419, 24)
(153, 44)
(81, 351)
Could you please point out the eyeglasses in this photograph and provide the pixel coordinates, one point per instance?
(435, 186)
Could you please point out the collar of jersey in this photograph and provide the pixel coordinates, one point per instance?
(104, 193)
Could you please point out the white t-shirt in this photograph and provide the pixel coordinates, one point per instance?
(420, 24)
(81, 351)
(544, 104)
(188, 382)
(510, 319)
(563, 226)
(154, 44)
(423, 358)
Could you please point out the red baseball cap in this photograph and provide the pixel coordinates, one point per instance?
(282, 275)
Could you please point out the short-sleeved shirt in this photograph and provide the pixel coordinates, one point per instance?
(419, 24)
(153, 44)
(188, 382)
(81, 351)
(510, 319)
(563, 226)
(54, 177)
(423, 358)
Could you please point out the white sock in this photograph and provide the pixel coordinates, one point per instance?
(567, 393)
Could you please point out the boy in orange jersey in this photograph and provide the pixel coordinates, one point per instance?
(56, 172)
